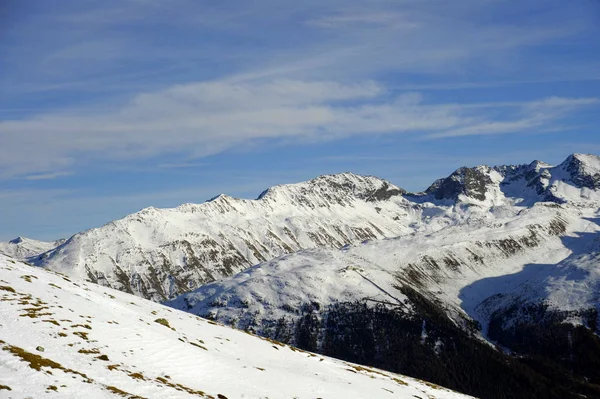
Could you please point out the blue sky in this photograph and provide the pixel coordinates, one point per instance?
(110, 106)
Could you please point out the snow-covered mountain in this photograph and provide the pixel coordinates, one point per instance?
(161, 253)
(357, 268)
(24, 248)
(67, 339)
(507, 254)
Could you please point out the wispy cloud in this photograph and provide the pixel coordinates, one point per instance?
(205, 118)
(346, 20)
(47, 176)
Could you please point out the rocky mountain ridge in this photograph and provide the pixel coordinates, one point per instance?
(161, 253)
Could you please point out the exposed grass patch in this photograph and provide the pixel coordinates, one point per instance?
(399, 381)
(373, 371)
(112, 367)
(52, 388)
(164, 322)
(120, 392)
(51, 321)
(434, 386)
(36, 312)
(93, 351)
(103, 357)
(7, 288)
(62, 334)
(36, 362)
(82, 325)
(198, 345)
(5, 387)
(54, 286)
(137, 376)
(183, 388)
(28, 278)
(82, 335)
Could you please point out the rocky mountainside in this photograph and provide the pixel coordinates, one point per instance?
(87, 341)
(507, 255)
(160, 253)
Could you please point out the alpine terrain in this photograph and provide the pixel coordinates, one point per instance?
(160, 253)
(486, 282)
(495, 285)
(65, 339)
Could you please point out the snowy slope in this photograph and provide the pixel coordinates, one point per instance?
(24, 248)
(63, 339)
(570, 289)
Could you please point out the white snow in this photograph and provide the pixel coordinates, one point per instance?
(24, 248)
(76, 325)
(460, 265)
(328, 211)
(160, 253)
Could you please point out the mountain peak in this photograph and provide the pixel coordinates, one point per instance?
(334, 188)
(584, 170)
(17, 240)
(472, 182)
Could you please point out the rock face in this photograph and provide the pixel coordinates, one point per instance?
(584, 170)
(161, 253)
(470, 182)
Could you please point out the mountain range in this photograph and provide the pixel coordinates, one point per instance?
(486, 282)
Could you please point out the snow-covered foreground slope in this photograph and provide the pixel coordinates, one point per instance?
(65, 339)
(24, 248)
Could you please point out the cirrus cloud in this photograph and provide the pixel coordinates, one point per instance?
(205, 118)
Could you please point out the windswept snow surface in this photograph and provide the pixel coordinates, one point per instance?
(65, 339)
